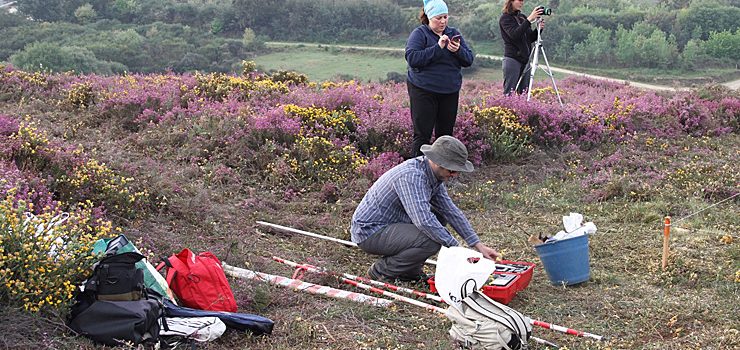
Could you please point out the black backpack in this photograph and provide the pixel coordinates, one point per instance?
(115, 307)
(116, 278)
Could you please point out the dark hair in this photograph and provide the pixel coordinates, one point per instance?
(423, 17)
(508, 8)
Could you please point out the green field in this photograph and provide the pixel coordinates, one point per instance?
(327, 63)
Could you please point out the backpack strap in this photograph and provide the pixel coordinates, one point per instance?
(493, 315)
(512, 320)
(162, 263)
(91, 285)
(174, 265)
(520, 320)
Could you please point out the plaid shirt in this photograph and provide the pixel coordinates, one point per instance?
(406, 194)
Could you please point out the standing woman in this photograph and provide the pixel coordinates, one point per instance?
(518, 36)
(435, 54)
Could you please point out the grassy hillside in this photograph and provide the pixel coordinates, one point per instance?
(178, 161)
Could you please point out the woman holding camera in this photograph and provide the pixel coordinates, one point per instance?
(518, 35)
(435, 54)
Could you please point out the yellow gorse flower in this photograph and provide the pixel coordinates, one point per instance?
(323, 122)
(80, 95)
(44, 256)
(502, 131)
(316, 159)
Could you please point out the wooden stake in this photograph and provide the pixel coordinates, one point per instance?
(666, 240)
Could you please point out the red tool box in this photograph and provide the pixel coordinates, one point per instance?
(509, 278)
(521, 268)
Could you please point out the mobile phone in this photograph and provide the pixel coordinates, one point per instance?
(456, 38)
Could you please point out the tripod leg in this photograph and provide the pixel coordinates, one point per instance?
(549, 72)
(533, 69)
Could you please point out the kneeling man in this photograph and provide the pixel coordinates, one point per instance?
(403, 216)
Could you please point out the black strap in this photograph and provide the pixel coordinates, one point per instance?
(166, 261)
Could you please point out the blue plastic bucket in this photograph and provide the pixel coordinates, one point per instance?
(565, 261)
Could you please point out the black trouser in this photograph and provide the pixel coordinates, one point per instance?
(431, 112)
(403, 249)
(514, 69)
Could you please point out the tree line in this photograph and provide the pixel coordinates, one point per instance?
(113, 36)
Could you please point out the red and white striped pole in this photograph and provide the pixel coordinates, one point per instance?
(382, 292)
(305, 286)
(373, 282)
(565, 330)
(314, 269)
(230, 271)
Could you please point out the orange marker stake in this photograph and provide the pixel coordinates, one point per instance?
(666, 239)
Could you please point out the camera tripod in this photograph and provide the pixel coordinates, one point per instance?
(534, 63)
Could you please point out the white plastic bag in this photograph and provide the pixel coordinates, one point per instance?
(574, 227)
(460, 271)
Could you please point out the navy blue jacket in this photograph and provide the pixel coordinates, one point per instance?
(433, 68)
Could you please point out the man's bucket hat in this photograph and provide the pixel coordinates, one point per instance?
(449, 153)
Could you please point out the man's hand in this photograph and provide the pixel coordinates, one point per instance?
(488, 253)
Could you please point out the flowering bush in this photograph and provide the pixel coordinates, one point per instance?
(380, 164)
(17, 84)
(507, 139)
(253, 118)
(81, 95)
(25, 186)
(694, 117)
(322, 122)
(289, 77)
(76, 178)
(315, 160)
(43, 258)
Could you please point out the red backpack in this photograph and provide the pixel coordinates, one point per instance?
(199, 281)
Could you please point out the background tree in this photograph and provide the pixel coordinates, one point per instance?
(85, 14)
(479, 25)
(645, 46)
(123, 46)
(56, 58)
(692, 55)
(596, 50)
(724, 44)
(703, 17)
(248, 37)
(49, 10)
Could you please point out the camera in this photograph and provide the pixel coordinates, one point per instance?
(546, 11)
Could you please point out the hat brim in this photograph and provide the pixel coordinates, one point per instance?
(437, 159)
